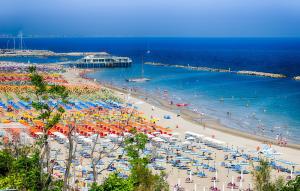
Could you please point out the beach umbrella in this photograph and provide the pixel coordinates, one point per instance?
(186, 143)
(190, 138)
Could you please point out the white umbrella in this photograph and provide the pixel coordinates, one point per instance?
(186, 143)
(190, 138)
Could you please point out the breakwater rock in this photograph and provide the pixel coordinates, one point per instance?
(297, 78)
(198, 68)
(243, 72)
(264, 74)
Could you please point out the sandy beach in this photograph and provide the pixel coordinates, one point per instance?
(184, 122)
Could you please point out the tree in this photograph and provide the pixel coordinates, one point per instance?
(97, 154)
(263, 182)
(114, 183)
(292, 185)
(22, 171)
(50, 116)
(141, 175)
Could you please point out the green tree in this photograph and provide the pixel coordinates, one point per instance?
(142, 176)
(263, 181)
(114, 183)
(292, 185)
(50, 116)
(23, 170)
(5, 162)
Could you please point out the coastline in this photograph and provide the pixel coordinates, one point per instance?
(189, 115)
(192, 116)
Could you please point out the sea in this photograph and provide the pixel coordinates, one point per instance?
(258, 105)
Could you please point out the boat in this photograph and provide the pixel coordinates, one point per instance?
(182, 104)
(139, 79)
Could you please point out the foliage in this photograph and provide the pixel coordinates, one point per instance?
(142, 176)
(44, 92)
(114, 183)
(5, 162)
(292, 185)
(263, 182)
(22, 170)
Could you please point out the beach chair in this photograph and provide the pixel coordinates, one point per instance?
(188, 180)
(201, 175)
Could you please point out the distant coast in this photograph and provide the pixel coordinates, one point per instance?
(39, 53)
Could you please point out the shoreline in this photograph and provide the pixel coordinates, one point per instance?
(190, 115)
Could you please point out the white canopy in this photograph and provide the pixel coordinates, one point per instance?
(175, 134)
(150, 136)
(190, 138)
(165, 136)
(59, 134)
(157, 139)
(186, 143)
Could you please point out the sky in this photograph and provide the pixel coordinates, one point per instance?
(139, 18)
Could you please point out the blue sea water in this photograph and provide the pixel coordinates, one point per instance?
(272, 104)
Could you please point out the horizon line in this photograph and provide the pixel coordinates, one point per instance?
(132, 36)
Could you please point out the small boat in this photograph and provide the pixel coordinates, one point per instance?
(181, 104)
(137, 79)
(142, 78)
